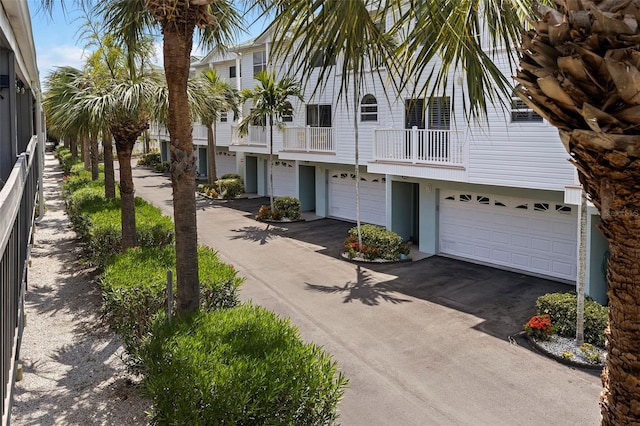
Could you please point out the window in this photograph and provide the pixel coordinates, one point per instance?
(521, 112)
(414, 113)
(319, 115)
(223, 116)
(369, 108)
(259, 61)
(482, 199)
(440, 113)
(287, 113)
(232, 71)
(321, 58)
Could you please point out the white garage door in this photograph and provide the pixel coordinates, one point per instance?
(342, 197)
(530, 235)
(284, 178)
(225, 162)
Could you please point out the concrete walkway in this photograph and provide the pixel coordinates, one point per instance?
(419, 345)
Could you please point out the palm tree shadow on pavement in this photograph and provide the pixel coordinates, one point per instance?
(258, 234)
(364, 289)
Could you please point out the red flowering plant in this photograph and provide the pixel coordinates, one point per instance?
(354, 249)
(539, 327)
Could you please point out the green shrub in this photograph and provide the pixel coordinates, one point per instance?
(163, 167)
(134, 289)
(377, 242)
(150, 159)
(230, 188)
(561, 307)
(82, 178)
(105, 235)
(232, 176)
(289, 206)
(66, 159)
(240, 366)
(208, 190)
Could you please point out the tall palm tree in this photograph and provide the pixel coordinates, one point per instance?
(353, 32)
(270, 101)
(219, 96)
(579, 70)
(218, 22)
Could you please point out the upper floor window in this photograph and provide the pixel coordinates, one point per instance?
(232, 71)
(287, 113)
(259, 61)
(521, 112)
(319, 115)
(223, 116)
(322, 58)
(440, 113)
(369, 108)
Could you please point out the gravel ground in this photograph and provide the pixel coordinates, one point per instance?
(73, 371)
(560, 347)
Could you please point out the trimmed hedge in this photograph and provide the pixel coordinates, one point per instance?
(289, 206)
(561, 307)
(378, 241)
(240, 366)
(230, 188)
(149, 159)
(134, 288)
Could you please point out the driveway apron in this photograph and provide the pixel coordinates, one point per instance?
(415, 340)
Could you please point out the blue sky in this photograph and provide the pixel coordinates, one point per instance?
(57, 37)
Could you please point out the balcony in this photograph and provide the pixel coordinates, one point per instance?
(256, 137)
(419, 147)
(309, 139)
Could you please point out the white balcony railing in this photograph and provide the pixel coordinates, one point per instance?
(417, 146)
(257, 136)
(309, 139)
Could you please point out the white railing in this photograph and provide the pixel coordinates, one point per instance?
(256, 136)
(418, 146)
(199, 131)
(309, 139)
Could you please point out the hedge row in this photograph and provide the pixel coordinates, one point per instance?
(227, 364)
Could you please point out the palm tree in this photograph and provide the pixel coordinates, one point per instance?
(350, 30)
(61, 88)
(219, 22)
(269, 98)
(579, 71)
(219, 96)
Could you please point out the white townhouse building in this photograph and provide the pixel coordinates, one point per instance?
(502, 193)
(21, 161)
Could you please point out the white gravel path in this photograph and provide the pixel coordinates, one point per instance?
(73, 372)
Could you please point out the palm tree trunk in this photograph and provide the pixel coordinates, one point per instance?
(86, 155)
(109, 177)
(356, 102)
(212, 172)
(178, 41)
(74, 148)
(127, 195)
(609, 170)
(271, 161)
(94, 157)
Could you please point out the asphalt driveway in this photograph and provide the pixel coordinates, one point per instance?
(423, 343)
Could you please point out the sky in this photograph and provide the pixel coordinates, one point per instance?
(58, 40)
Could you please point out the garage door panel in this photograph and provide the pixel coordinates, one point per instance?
(531, 239)
(342, 197)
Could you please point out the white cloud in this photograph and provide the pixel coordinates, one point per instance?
(59, 56)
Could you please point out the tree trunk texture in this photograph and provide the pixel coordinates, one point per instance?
(86, 155)
(74, 148)
(178, 41)
(109, 175)
(125, 134)
(94, 158)
(612, 178)
(212, 172)
(127, 199)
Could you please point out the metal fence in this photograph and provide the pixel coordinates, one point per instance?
(17, 215)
